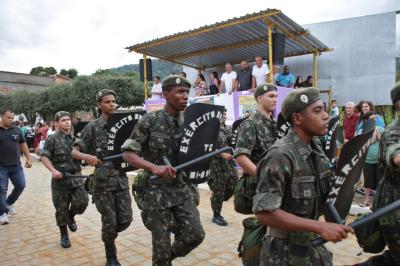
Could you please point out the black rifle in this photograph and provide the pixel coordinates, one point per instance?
(368, 219)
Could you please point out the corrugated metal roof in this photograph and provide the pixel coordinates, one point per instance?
(231, 41)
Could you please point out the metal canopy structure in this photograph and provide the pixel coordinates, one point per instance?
(232, 41)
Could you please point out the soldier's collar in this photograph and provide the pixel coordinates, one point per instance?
(102, 122)
(303, 149)
(264, 117)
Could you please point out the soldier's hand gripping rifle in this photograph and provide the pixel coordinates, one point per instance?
(359, 223)
(195, 161)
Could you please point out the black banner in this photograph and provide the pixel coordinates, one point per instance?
(282, 127)
(120, 126)
(348, 171)
(235, 131)
(78, 129)
(200, 134)
(330, 140)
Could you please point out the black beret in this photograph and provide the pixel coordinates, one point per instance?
(298, 100)
(103, 93)
(60, 114)
(175, 81)
(395, 93)
(263, 88)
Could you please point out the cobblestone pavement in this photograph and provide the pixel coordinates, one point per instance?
(32, 237)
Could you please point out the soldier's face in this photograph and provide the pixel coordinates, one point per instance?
(177, 98)
(107, 104)
(268, 101)
(223, 118)
(314, 120)
(64, 123)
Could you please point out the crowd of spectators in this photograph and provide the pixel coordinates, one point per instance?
(245, 78)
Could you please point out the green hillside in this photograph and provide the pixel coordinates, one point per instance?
(161, 68)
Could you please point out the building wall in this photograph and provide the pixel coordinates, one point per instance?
(11, 82)
(362, 65)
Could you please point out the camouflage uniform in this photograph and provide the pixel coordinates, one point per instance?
(68, 194)
(388, 190)
(223, 176)
(293, 177)
(256, 134)
(110, 188)
(158, 134)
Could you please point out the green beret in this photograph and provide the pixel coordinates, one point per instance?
(298, 100)
(395, 93)
(263, 88)
(175, 81)
(103, 93)
(60, 114)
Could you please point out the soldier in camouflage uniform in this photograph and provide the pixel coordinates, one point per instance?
(109, 187)
(160, 134)
(294, 182)
(68, 193)
(256, 134)
(388, 190)
(223, 176)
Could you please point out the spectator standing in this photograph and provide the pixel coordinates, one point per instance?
(200, 85)
(286, 79)
(30, 135)
(299, 82)
(350, 121)
(228, 79)
(334, 109)
(156, 90)
(214, 83)
(52, 129)
(309, 82)
(365, 107)
(371, 168)
(12, 142)
(260, 72)
(276, 73)
(244, 77)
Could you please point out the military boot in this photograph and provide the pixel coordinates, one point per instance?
(65, 243)
(72, 224)
(111, 254)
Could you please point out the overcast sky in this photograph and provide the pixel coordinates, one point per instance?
(92, 34)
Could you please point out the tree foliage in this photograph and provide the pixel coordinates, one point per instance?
(70, 73)
(43, 71)
(79, 95)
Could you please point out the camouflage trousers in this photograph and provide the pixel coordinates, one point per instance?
(190, 232)
(387, 193)
(222, 187)
(116, 212)
(275, 252)
(68, 202)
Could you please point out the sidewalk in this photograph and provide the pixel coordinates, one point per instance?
(32, 237)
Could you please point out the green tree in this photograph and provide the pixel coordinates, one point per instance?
(70, 73)
(43, 71)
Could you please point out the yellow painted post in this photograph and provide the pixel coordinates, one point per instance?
(270, 49)
(315, 54)
(145, 75)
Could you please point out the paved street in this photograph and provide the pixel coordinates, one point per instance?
(32, 237)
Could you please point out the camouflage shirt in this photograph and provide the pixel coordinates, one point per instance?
(159, 134)
(294, 177)
(389, 148)
(94, 136)
(218, 164)
(256, 135)
(58, 149)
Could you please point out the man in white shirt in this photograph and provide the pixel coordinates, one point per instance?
(156, 91)
(228, 79)
(260, 72)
